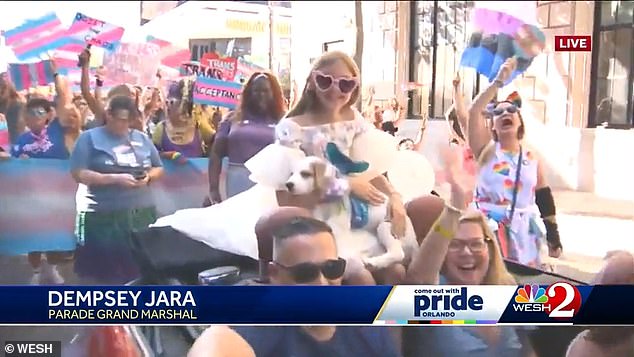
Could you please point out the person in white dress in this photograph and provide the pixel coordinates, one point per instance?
(323, 114)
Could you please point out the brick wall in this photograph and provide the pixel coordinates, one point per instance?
(557, 85)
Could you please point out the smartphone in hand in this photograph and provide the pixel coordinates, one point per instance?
(139, 175)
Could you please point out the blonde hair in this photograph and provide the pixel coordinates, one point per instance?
(497, 274)
(308, 100)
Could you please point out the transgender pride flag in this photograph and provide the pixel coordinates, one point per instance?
(171, 56)
(503, 30)
(31, 75)
(36, 37)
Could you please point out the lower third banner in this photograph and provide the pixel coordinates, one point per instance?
(556, 304)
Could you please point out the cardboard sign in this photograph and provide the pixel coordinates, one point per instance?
(217, 93)
(95, 32)
(225, 66)
(133, 63)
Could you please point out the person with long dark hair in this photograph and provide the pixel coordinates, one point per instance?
(243, 134)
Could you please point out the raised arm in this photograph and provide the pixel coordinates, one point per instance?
(67, 113)
(458, 100)
(427, 262)
(95, 105)
(479, 136)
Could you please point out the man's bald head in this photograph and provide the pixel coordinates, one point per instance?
(221, 341)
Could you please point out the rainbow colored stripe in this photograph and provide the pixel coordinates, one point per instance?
(435, 322)
(36, 37)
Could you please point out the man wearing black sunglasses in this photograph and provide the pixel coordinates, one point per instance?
(304, 253)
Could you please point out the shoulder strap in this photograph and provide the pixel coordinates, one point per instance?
(516, 186)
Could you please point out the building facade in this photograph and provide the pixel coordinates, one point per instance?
(579, 105)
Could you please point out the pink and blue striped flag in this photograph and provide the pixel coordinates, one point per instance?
(503, 30)
(36, 37)
(38, 196)
(171, 56)
(30, 75)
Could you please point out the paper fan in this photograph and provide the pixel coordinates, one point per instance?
(502, 32)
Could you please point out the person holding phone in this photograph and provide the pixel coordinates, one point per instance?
(114, 166)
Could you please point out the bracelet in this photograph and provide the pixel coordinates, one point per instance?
(443, 232)
(498, 83)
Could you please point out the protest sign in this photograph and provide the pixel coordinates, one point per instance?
(217, 93)
(244, 71)
(195, 68)
(30, 75)
(171, 56)
(95, 32)
(225, 67)
(133, 63)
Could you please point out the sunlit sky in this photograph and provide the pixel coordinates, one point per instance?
(122, 13)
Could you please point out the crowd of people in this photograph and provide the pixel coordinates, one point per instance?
(500, 206)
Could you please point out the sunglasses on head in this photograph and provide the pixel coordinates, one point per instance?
(325, 81)
(510, 109)
(302, 273)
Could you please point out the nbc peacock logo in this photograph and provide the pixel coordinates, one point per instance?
(531, 298)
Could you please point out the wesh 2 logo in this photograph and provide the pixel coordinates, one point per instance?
(559, 300)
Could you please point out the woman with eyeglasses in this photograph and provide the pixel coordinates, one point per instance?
(182, 135)
(511, 190)
(244, 133)
(114, 166)
(461, 249)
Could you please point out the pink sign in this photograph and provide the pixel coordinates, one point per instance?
(133, 63)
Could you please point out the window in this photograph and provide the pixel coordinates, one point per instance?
(438, 35)
(612, 97)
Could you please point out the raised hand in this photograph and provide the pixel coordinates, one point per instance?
(507, 69)
(456, 80)
(84, 57)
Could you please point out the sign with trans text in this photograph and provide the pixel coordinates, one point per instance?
(217, 93)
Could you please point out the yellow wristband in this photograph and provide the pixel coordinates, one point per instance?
(443, 232)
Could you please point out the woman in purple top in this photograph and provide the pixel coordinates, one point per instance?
(245, 133)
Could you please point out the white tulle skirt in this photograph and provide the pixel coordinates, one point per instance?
(230, 225)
